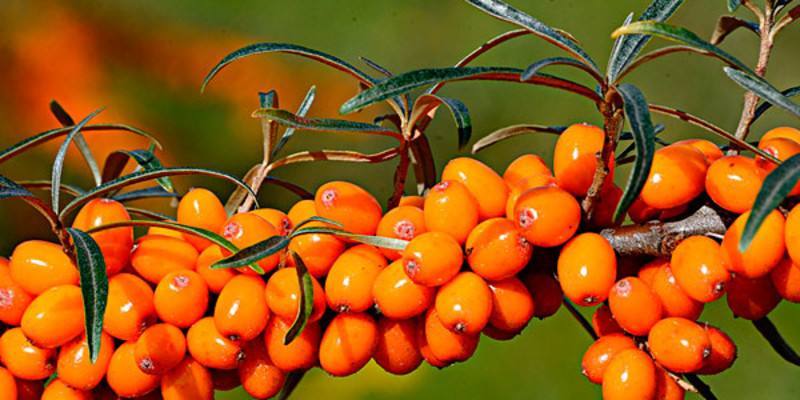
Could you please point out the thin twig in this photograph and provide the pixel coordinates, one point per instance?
(770, 332)
(580, 318)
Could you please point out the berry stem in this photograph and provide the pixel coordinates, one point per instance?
(699, 386)
(580, 318)
(770, 332)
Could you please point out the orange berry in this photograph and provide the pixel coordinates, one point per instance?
(241, 312)
(679, 345)
(464, 304)
(452, 209)
(523, 186)
(397, 351)
(676, 177)
(499, 335)
(723, 352)
(130, 307)
(13, 298)
(225, 380)
(37, 266)
(752, 299)
(397, 296)
(488, 188)
(277, 218)
(575, 157)
(603, 322)
(215, 278)
(8, 386)
(201, 208)
(350, 205)
(711, 151)
(318, 251)
(647, 273)
(283, 295)
(24, 359)
(156, 256)
(640, 212)
(606, 205)
(245, 230)
(348, 343)
(782, 149)
(631, 374)
(115, 244)
(188, 381)
(58, 390)
(587, 268)
(764, 251)
(786, 279)
(425, 349)
(601, 352)
(432, 259)
(525, 166)
(211, 348)
(547, 216)
(157, 230)
(413, 201)
(782, 132)
(635, 307)
(181, 298)
(76, 369)
(675, 301)
(348, 287)
(160, 348)
(259, 376)
(301, 211)
(666, 387)
(792, 234)
(29, 390)
(496, 250)
(301, 354)
(403, 222)
(697, 266)
(55, 317)
(124, 375)
(512, 305)
(444, 344)
(546, 293)
(733, 182)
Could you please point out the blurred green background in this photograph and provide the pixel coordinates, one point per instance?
(144, 61)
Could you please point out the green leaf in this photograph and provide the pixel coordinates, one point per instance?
(10, 189)
(775, 188)
(301, 112)
(627, 48)
(116, 161)
(147, 193)
(429, 102)
(58, 164)
(727, 24)
(46, 185)
(505, 12)
(292, 380)
(513, 131)
(734, 4)
(254, 253)
(791, 92)
(286, 118)
(306, 304)
(377, 241)
(317, 218)
(616, 48)
(638, 114)
(141, 212)
(80, 142)
(764, 90)
(94, 286)
(534, 68)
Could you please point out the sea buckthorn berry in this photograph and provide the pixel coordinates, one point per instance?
(512, 305)
(189, 380)
(181, 298)
(157, 230)
(675, 301)
(350, 205)
(29, 390)
(241, 312)
(24, 359)
(782, 149)
(792, 234)
(130, 308)
(452, 209)
(752, 299)
(711, 151)
(211, 348)
(587, 268)
(631, 374)
(226, 380)
(59, 390)
(348, 343)
(301, 354)
(318, 251)
(55, 317)
(635, 307)
(666, 387)
(723, 352)
(156, 256)
(76, 369)
(8, 387)
(258, 375)
(301, 211)
(603, 322)
(115, 244)
(432, 259)
(397, 296)
(679, 345)
(676, 177)
(547, 216)
(403, 222)
(786, 279)
(397, 351)
(523, 186)
(277, 218)
(244, 230)
(525, 166)
(446, 345)
(575, 157)
(496, 250)
(499, 335)
(160, 348)
(425, 348)
(125, 378)
(733, 182)
(216, 278)
(647, 273)
(201, 208)
(764, 251)
(348, 287)
(546, 293)
(600, 354)
(488, 188)
(13, 298)
(412, 201)
(697, 266)
(782, 132)
(283, 295)
(37, 266)
(640, 212)
(606, 205)
(464, 304)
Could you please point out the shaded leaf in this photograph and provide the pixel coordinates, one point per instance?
(614, 57)
(301, 112)
(147, 193)
(294, 188)
(513, 131)
(727, 24)
(638, 113)
(317, 218)
(254, 253)
(534, 68)
(292, 380)
(306, 304)
(775, 188)
(47, 185)
(65, 119)
(424, 164)
(286, 118)
(147, 214)
(116, 161)
(791, 92)
(58, 164)
(335, 155)
(377, 241)
(94, 287)
(427, 103)
(764, 90)
(10, 189)
(734, 4)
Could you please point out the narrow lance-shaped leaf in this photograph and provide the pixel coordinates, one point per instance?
(734, 4)
(45, 185)
(65, 119)
(301, 112)
(775, 188)
(10, 189)
(534, 68)
(146, 193)
(254, 253)
(638, 113)
(286, 118)
(727, 24)
(429, 102)
(377, 241)
(764, 90)
(306, 301)
(614, 57)
(94, 287)
(791, 92)
(116, 161)
(514, 131)
(58, 164)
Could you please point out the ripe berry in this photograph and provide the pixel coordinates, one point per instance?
(786, 279)
(349, 205)
(318, 251)
(397, 351)
(488, 188)
(547, 216)
(29, 390)
(782, 149)
(782, 132)
(675, 301)
(523, 167)
(496, 250)
(523, 186)
(115, 244)
(425, 348)
(58, 390)
(125, 378)
(512, 305)
(733, 182)
(792, 234)
(189, 380)
(546, 292)
(210, 348)
(258, 375)
(226, 380)
(413, 201)
(241, 312)
(181, 298)
(55, 317)
(301, 354)
(606, 205)
(697, 266)
(277, 218)
(244, 230)
(451, 208)
(752, 299)
(283, 295)
(587, 268)
(631, 374)
(348, 287)
(432, 259)
(397, 296)
(215, 278)
(676, 177)
(403, 222)
(666, 387)
(24, 359)
(8, 387)
(13, 298)
(575, 157)
(156, 256)
(446, 345)
(764, 251)
(201, 208)
(635, 307)
(348, 343)
(647, 273)
(76, 369)
(160, 348)
(37, 266)
(711, 151)
(129, 308)
(464, 304)
(679, 345)
(601, 352)
(603, 322)
(723, 352)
